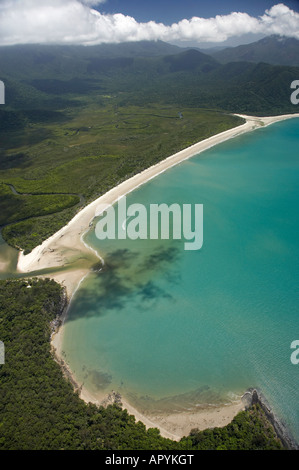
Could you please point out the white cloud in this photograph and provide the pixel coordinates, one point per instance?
(76, 22)
(281, 20)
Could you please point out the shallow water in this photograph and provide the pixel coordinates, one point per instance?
(178, 329)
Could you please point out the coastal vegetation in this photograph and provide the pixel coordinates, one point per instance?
(15, 207)
(39, 409)
(101, 146)
(79, 120)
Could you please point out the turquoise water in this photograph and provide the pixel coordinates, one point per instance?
(178, 329)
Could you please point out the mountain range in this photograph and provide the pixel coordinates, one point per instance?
(274, 50)
(252, 79)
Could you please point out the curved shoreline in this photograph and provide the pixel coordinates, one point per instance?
(172, 425)
(55, 251)
(58, 249)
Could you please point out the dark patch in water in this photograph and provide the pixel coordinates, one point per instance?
(151, 291)
(159, 257)
(118, 282)
(100, 379)
(121, 258)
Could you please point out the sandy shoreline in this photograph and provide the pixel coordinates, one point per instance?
(172, 425)
(59, 249)
(67, 244)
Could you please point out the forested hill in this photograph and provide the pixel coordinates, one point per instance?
(274, 50)
(143, 72)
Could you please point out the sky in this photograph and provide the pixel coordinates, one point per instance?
(172, 11)
(181, 22)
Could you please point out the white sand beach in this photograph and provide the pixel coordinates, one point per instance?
(172, 425)
(63, 246)
(66, 244)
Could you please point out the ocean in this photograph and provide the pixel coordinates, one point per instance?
(172, 329)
